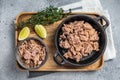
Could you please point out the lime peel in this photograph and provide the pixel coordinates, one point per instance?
(24, 33)
(41, 31)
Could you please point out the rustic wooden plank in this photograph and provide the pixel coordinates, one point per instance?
(50, 65)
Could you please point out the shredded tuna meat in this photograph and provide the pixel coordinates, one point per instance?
(32, 53)
(79, 38)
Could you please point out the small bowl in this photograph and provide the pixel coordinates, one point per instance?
(19, 59)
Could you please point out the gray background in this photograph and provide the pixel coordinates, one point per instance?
(8, 71)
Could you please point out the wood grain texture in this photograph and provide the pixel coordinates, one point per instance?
(50, 65)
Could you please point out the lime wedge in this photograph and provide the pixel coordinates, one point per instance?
(41, 31)
(24, 33)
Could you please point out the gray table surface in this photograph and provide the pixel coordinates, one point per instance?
(8, 71)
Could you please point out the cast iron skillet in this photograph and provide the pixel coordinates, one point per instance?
(19, 60)
(94, 55)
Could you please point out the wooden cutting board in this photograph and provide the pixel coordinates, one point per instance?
(50, 65)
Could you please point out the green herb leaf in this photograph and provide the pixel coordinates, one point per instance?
(48, 16)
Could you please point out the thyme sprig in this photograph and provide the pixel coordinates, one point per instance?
(48, 16)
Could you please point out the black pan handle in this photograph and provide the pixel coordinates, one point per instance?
(105, 19)
(55, 57)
